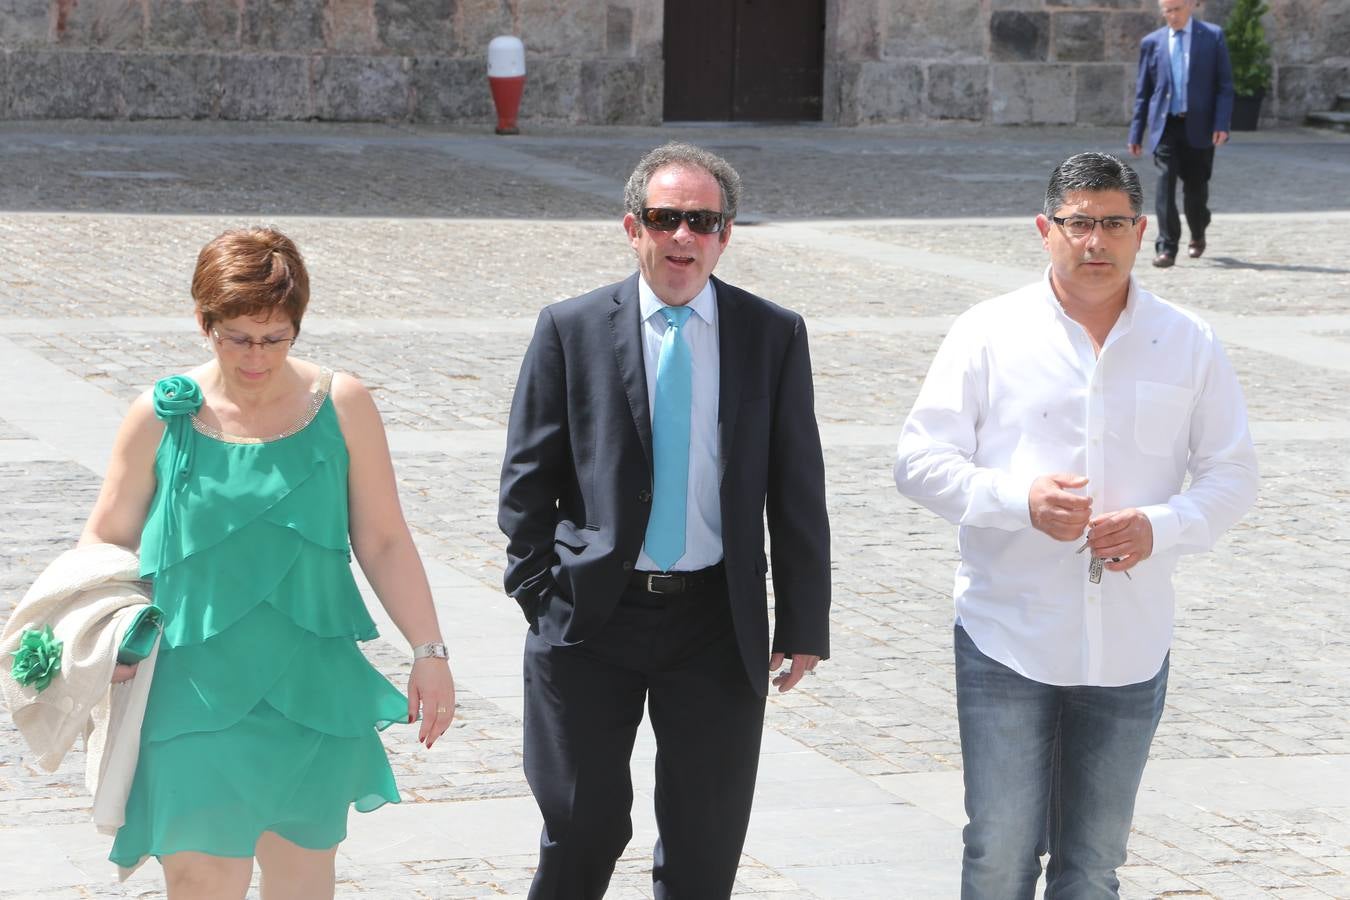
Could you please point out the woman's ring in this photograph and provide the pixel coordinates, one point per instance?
(441, 709)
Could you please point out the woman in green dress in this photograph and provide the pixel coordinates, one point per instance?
(247, 484)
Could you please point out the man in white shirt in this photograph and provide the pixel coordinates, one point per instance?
(1056, 427)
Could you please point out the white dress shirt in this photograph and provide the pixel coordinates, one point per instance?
(703, 517)
(1016, 392)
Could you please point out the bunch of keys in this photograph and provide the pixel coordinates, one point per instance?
(1096, 564)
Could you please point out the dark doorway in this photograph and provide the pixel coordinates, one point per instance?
(744, 60)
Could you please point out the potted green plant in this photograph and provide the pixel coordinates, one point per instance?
(1250, 55)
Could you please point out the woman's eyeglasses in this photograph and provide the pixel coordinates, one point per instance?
(241, 344)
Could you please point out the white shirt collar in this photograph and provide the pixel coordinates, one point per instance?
(704, 303)
(1186, 29)
(1123, 323)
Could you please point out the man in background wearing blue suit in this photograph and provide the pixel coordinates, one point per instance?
(1184, 100)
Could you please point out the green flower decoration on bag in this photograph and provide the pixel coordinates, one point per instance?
(38, 659)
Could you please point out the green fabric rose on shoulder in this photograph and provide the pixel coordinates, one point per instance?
(176, 398)
(38, 659)
(177, 395)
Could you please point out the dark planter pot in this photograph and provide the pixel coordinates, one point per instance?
(1247, 112)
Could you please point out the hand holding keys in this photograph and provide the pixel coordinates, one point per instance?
(1095, 566)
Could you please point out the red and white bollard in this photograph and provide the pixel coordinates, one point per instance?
(506, 78)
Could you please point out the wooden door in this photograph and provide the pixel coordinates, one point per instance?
(744, 60)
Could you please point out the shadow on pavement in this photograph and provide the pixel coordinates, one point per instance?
(1229, 262)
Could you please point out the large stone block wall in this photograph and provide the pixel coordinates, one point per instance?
(1047, 61)
(591, 61)
(600, 61)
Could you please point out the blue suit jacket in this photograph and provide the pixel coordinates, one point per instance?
(1209, 87)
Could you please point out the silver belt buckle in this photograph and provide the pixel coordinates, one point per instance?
(666, 578)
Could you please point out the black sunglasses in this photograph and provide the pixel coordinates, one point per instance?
(701, 221)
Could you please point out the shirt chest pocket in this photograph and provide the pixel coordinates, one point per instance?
(1160, 412)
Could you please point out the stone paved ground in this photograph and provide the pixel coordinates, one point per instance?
(431, 253)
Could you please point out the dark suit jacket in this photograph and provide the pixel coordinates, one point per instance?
(1209, 86)
(577, 478)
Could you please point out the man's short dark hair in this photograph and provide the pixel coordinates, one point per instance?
(1093, 172)
(685, 156)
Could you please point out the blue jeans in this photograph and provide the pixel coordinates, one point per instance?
(1048, 768)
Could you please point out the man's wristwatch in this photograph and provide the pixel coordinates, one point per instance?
(433, 649)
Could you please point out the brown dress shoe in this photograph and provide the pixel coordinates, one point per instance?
(1165, 260)
(1195, 249)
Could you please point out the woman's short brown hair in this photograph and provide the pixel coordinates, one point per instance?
(250, 272)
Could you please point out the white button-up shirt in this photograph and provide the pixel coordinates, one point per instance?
(1016, 392)
(703, 509)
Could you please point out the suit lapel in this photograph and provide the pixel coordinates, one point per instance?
(731, 330)
(1166, 43)
(625, 325)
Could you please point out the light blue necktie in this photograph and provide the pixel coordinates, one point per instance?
(670, 442)
(1178, 72)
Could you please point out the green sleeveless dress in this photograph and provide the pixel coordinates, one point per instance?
(263, 712)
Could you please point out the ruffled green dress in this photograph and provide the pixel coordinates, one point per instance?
(263, 714)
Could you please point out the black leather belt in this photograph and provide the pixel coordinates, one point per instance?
(677, 582)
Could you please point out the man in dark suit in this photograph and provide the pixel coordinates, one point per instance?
(654, 423)
(1184, 100)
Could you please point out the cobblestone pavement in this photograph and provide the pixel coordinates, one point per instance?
(431, 253)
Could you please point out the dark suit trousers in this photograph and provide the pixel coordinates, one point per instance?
(583, 704)
(1175, 158)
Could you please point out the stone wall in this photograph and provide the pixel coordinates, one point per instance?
(1046, 61)
(352, 60)
(1311, 42)
(600, 62)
